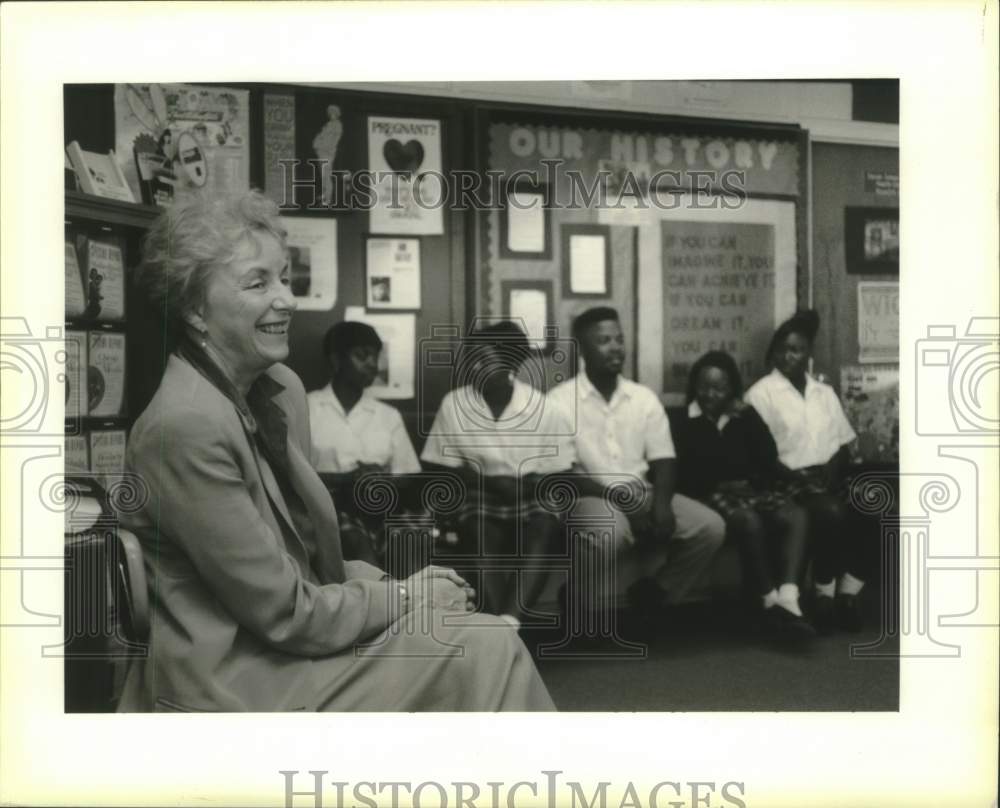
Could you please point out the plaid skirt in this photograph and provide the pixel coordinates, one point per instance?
(777, 493)
(744, 496)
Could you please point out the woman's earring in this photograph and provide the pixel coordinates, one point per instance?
(204, 339)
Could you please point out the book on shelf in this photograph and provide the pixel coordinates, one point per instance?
(99, 174)
(156, 177)
(76, 299)
(104, 271)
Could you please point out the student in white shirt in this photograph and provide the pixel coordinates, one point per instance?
(812, 434)
(621, 430)
(352, 432)
(501, 436)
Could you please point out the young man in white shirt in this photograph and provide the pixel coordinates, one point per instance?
(621, 431)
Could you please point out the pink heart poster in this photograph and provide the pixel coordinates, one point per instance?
(404, 156)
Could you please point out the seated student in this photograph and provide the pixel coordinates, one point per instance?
(622, 429)
(354, 433)
(812, 435)
(727, 459)
(501, 436)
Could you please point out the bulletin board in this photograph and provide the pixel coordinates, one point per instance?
(722, 281)
(677, 291)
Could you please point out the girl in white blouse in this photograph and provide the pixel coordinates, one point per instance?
(812, 435)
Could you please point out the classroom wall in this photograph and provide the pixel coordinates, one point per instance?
(838, 181)
(89, 118)
(828, 109)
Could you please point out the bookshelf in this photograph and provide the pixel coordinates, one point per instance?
(102, 322)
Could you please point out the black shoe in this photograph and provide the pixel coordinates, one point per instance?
(848, 613)
(823, 614)
(787, 625)
(646, 597)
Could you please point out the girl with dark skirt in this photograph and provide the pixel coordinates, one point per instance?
(728, 460)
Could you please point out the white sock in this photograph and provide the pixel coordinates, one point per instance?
(770, 598)
(788, 597)
(827, 590)
(849, 585)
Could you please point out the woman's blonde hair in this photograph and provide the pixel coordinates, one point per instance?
(193, 238)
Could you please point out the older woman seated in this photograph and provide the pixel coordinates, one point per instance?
(255, 607)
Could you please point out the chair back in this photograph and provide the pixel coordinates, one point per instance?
(130, 587)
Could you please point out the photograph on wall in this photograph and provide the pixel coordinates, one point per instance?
(529, 305)
(404, 155)
(882, 240)
(392, 266)
(396, 372)
(871, 240)
(200, 134)
(524, 225)
(312, 261)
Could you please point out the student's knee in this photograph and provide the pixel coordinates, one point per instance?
(826, 510)
(711, 530)
(791, 517)
(745, 524)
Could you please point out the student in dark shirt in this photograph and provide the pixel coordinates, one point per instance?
(728, 460)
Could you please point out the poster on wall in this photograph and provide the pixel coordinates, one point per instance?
(201, 133)
(718, 294)
(395, 379)
(870, 394)
(312, 261)
(404, 155)
(278, 146)
(878, 322)
(392, 272)
(105, 374)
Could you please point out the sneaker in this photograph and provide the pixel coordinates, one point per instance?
(786, 624)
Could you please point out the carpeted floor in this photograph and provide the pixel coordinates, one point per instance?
(707, 657)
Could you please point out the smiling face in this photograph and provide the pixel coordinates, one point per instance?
(248, 308)
(603, 348)
(791, 355)
(713, 391)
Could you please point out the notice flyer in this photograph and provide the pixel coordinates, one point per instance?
(405, 156)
